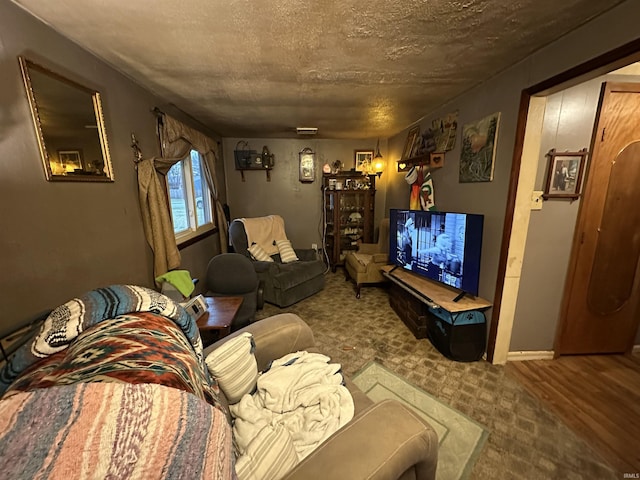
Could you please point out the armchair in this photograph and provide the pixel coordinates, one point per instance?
(363, 266)
(233, 275)
(284, 283)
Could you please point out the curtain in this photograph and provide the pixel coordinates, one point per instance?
(177, 140)
(156, 219)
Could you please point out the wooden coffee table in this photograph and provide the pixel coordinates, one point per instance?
(219, 315)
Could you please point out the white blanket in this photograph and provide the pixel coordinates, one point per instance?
(265, 231)
(302, 392)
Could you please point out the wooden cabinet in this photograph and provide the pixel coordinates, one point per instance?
(349, 203)
(454, 324)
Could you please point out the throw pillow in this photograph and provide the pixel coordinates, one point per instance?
(270, 454)
(287, 253)
(258, 253)
(234, 366)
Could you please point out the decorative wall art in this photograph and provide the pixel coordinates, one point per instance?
(307, 160)
(564, 174)
(479, 141)
(440, 137)
(436, 159)
(444, 132)
(362, 160)
(411, 141)
(69, 115)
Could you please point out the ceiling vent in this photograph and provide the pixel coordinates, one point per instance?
(306, 130)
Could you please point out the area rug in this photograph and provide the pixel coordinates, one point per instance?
(461, 439)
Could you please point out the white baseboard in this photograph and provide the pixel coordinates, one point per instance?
(545, 355)
(530, 355)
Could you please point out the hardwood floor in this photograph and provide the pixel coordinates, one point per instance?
(598, 397)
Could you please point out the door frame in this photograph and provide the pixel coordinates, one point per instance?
(502, 316)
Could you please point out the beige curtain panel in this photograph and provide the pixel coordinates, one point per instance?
(177, 140)
(156, 219)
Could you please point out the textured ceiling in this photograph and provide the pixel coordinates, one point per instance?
(352, 68)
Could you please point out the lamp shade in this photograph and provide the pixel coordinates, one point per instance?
(377, 165)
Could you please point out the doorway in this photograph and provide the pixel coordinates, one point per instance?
(502, 315)
(602, 295)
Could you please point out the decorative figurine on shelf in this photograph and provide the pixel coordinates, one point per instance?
(337, 166)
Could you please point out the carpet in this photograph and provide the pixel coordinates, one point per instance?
(460, 438)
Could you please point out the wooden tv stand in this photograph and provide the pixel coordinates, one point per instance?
(411, 295)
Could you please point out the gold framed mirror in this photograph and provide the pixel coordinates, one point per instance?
(69, 126)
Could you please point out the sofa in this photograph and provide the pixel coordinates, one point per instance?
(116, 383)
(284, 283)
(385, 440)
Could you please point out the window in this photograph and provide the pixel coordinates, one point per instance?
(189, 197)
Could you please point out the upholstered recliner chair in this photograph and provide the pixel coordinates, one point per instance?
(363, 266)
(286, 280)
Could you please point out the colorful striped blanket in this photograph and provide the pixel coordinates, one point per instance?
(65, 323)
(114, 386)
(139, 347)
(113, 430)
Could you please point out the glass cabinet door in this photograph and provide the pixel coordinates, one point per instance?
(348, 218)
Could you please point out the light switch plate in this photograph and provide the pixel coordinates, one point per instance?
(536, 200)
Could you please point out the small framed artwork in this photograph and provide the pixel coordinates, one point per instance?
(436, 159)
(362, 160)
(411, 140)
(564, 174)
(71, 160)
(307, 158)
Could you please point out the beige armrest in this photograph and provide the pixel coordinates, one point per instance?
(368, 248)
(275, 337)
(380, 258)
(382, 443)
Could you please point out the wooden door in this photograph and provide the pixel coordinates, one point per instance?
(600, 311)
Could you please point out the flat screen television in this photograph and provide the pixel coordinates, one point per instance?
(442, 246)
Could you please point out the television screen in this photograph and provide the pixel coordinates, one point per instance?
(441, 246)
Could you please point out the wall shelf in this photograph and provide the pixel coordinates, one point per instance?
(244, 169)
(251, 160)
(429, 160)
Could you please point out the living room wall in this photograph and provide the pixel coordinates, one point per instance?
(300, 204)
(61, 239)
(502, 94)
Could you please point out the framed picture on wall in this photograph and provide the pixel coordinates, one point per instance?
(411, 140)
(478, 153)
(307, 160)
(362, 160)
(564, 174)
